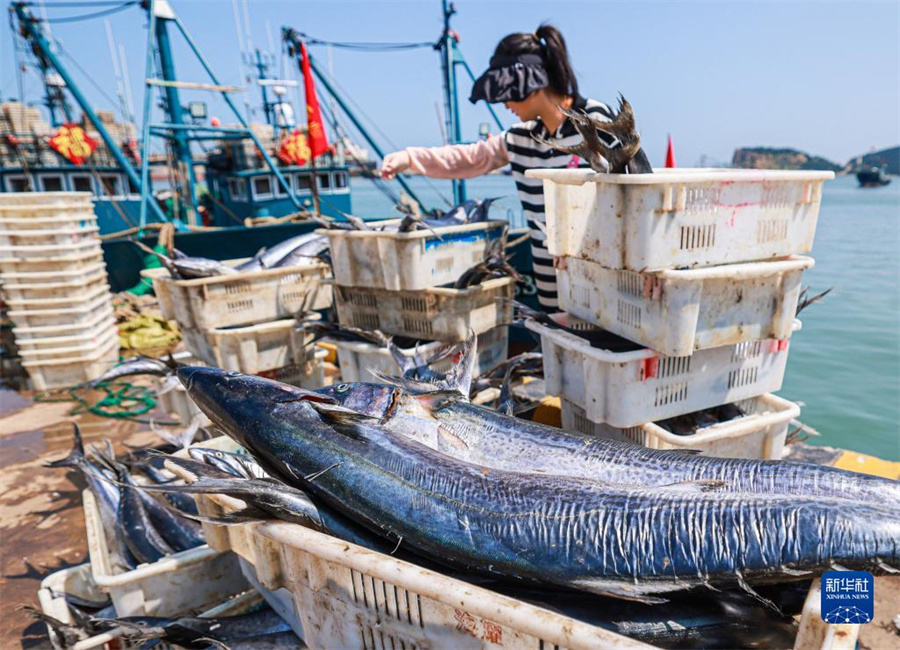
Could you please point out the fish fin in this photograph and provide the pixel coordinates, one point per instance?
(406, 364)
(695, 486)
(439, 400)
(622, 592)
(340, 415)
(884, 566)
(794, 572)
(312, 477)
(750, 591)
(411, 385)
(838, 567)
(460, 377)
(76, 457)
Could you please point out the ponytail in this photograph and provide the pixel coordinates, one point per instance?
(549, 43)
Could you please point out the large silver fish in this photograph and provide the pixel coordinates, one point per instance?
(446, 422)
(633, 543)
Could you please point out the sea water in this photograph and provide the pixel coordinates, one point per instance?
(844, 366)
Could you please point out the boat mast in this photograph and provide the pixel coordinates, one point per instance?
(449, 61)
(34, 34)
(180, 138)
(261, 68)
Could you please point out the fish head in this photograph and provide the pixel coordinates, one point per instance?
(245, 405)
(375, 400)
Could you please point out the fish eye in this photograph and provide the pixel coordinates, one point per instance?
(233, 373)
(342, 388)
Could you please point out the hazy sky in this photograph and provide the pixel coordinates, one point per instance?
(823, 77)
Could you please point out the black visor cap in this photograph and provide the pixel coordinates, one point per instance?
(511, 78)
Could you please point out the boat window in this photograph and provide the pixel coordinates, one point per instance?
(262, 188)
(340, 179)
(17, 184)
(52, 183)
(279, 190)
(82, 183)
(236, 189)
(325, 181)
(301, 183)
(112, 185)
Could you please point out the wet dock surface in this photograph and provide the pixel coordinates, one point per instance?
(42, 522)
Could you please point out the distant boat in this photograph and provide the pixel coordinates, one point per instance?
(872, 176)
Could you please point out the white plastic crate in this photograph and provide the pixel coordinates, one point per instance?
(77, 284)
(13, 241)
(60, 311)
(33, 200)
(189, 581)
(306, 374)
(53, 219)
(759, 434)
(677, 312)
(34, 348)
(241, 298)
(624, 389)
(74, 259)
(409, 260)
(49, 251)
(104, 312)
(680, 218)
(59, 372)
(251, 349)
(438, 314)
(78, 581)
(358, 360)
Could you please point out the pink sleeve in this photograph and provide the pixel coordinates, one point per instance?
(459, 160)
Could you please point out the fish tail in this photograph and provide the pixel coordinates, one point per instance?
(76, 457)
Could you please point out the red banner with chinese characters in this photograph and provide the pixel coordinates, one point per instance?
(73, 143)
(294, 149)
(318, 141)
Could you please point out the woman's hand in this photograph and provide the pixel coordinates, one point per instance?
(393, 164)
(560, 263)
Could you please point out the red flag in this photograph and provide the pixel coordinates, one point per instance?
(318, 141)
(670, 154)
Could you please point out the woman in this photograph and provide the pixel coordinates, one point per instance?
(532, 76)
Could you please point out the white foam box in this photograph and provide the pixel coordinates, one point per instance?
(624, 389)
(251, 349)
(439, 314)
(240, 298)
(676, 312)
(759, 434)
(680, 218)
(408, 260)
(357, 360)
(189, 581)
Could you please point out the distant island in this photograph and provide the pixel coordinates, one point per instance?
(786, 158)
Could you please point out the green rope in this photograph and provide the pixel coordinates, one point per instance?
(121, 401)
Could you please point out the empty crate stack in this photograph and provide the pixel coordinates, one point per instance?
(685, 284)
(54, 283)
(247, 321)
(402, 284)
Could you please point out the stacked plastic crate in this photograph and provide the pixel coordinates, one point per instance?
(694, 275)
(54, 283)
(402, 284)
(247, 321)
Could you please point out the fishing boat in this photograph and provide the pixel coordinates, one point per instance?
(872, 176)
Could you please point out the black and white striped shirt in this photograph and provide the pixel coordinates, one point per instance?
(524, 153)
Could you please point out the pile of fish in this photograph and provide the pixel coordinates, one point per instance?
(138, 527)
(257, 630)
(609, 147)
(296, 251)
(467, 487)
